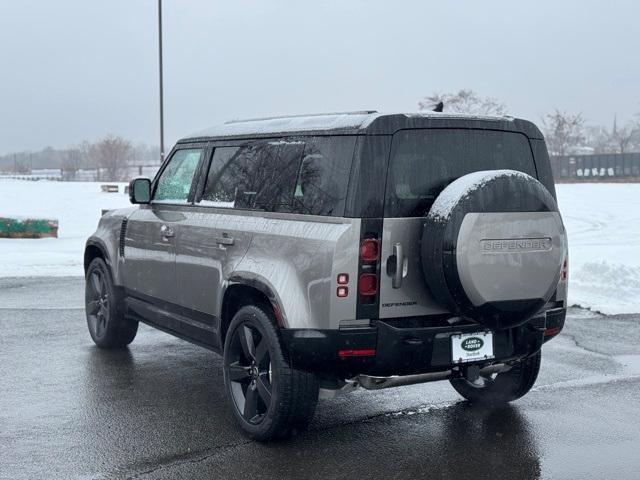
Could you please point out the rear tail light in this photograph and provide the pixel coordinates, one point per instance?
(370, 250)
(358, 352)
(368, 284)
(342, 291)
(368, 272)
(552, 331)
(564, 273)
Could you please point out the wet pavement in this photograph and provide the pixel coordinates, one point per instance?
(157, 410)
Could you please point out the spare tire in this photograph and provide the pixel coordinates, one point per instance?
(493, 244)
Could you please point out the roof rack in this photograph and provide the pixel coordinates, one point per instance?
(358, 112)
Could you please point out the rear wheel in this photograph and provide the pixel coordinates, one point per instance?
(268, 397)
(501, 388)
(107, 326)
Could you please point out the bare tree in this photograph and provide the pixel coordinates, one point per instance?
(616, 140)
(72, 161)
(623, 138)
(564, 132)
(464, 101)
(21, 164)
(144, 154)
(111, 154)
(598, 138)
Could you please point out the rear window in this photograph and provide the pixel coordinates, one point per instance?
(424, 162)
(323, 178)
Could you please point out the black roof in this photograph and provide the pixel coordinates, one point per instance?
(359, 123)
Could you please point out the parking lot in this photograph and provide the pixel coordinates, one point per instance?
(157, 410)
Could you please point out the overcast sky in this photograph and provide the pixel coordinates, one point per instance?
(78, 69)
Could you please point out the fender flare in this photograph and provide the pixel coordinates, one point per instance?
(100, 245)
(263, 286)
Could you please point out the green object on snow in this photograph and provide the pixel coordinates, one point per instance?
(28, 227)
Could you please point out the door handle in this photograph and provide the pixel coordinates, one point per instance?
(225, 240)
(166, 231)
(396, 281)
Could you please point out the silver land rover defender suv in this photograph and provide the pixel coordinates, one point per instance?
(342, 250)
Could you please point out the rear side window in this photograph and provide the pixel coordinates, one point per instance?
(323, 178)
(424, 162)
(260, 175)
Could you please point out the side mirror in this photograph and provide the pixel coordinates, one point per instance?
(140, 190)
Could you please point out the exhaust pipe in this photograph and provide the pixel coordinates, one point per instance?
(497, 368)
(378, 383)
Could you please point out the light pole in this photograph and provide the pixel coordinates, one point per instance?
(161, 83)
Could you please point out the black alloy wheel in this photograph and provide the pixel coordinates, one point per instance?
(250, 373)
(269, 398)
(107, 325)
(97, 299)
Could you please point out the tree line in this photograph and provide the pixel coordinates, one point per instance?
(566, 133)
(110, 157)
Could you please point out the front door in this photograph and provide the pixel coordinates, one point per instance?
(151, 231)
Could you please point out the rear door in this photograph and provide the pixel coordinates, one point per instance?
(216, 233)
(422, 163)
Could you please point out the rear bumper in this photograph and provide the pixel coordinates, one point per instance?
(405, 351)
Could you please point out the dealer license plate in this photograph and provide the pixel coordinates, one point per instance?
(471, 347)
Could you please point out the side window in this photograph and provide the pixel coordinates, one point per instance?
(323, 179)
(258, 175)
(175, 181)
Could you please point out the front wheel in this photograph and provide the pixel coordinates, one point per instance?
(501, 388)
(107, 326)
(268, 397)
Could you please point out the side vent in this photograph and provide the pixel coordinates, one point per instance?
(123, 233)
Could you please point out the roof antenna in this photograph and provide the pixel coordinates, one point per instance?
(439, 107)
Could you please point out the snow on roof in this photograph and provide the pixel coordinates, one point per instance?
(323, 121)
(461, 188)
(466, 116)
(328, 121)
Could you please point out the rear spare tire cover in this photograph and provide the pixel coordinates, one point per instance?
(492, 247)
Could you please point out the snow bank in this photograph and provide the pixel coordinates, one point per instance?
(77, 206)
(602, 220)
(603, 225)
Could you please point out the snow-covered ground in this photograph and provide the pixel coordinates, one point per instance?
(76, 205)
(602, 220)
(603, 224)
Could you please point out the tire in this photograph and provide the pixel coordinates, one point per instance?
(107, 326)
(282, 399)
(504, 387)
(492, 247)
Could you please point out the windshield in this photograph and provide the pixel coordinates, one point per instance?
(424, 162)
